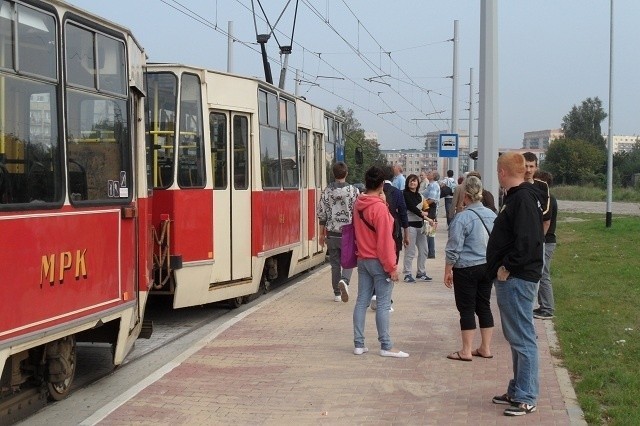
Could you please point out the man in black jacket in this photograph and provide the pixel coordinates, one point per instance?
(398, 209)
(514, 260)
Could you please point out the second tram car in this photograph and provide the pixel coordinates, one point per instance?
(238, 169)
(74, 201)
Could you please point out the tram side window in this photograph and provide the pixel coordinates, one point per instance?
(240, 152)
(191, 140)
(37, 46)
(218, 133)
(80, 58)
(97, 147)
(288, 148)
(161, 104)
(269, 147)
(330, 147)
(29, 152)
(98, 143)
(30, 160)
(269, 160)
(7, 39)
(330, 158)
(317, 145)
(111, 65)
(303, 137)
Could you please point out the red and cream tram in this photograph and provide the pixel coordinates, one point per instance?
(238, 169)
(75, 211)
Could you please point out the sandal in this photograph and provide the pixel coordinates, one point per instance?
(456, 357)
(477, 352)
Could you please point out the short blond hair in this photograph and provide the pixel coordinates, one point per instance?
(512, 163)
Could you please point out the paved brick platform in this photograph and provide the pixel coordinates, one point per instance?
(289, 360)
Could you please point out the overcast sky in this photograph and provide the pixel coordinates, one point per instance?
(553, 54)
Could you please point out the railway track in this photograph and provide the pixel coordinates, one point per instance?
(173, 331)
(94, 361)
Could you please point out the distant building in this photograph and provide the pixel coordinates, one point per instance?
(371, 136)
(540, 139)
(413, 161)
(622, 143)
(540, 153)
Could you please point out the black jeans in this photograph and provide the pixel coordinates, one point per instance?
(472, 292)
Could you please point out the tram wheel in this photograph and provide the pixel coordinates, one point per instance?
(59, 390)
(265, 286)
(236, 302)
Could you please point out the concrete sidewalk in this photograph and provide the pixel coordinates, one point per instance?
(289, 360)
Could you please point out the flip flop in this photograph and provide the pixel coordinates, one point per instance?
(476, 352)
(456, 357)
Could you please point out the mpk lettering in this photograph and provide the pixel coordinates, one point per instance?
(66, 262)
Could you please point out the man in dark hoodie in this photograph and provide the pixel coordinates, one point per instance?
(514, 261)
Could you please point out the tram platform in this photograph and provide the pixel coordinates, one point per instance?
(289, 360)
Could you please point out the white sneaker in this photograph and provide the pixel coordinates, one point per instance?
(374, 303)
(360, 351)
(344, 290)
(398, 354)
(337, 299)
(391, 309)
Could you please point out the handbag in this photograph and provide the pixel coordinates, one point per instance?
(348, 256)
(426, 227)
(348, 245)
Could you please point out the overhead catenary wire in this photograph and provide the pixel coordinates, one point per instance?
(319, 55)
(366, 60)
(197, 17)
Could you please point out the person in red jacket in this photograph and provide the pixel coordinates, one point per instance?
(376, 263)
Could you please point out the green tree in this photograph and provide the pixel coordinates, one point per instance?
(574, 161)
(583, 122)
(354, 139)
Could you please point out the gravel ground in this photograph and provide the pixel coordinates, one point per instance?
(621, 209)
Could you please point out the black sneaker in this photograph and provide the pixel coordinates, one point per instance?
(537, 311)
(542, 315)
(520, 409)
(502, 399)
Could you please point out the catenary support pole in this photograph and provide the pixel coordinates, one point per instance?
(230, 46)
(470, 139)
(610, 134)
(488, 109)
(453, 162)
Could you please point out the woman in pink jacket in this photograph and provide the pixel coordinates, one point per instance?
(376, 263)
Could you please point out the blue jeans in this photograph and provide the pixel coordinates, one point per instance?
(372, 276)
(515, 299)
(337, 272)
(545, 292)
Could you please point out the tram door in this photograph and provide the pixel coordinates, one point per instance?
(232, 196)
(307, 208)
(318, 166)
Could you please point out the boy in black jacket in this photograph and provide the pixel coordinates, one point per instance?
(514, 260)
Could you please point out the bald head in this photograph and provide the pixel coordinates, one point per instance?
(511, 169)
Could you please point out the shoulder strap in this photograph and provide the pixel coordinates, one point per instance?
(370, 226)
(483, 224)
